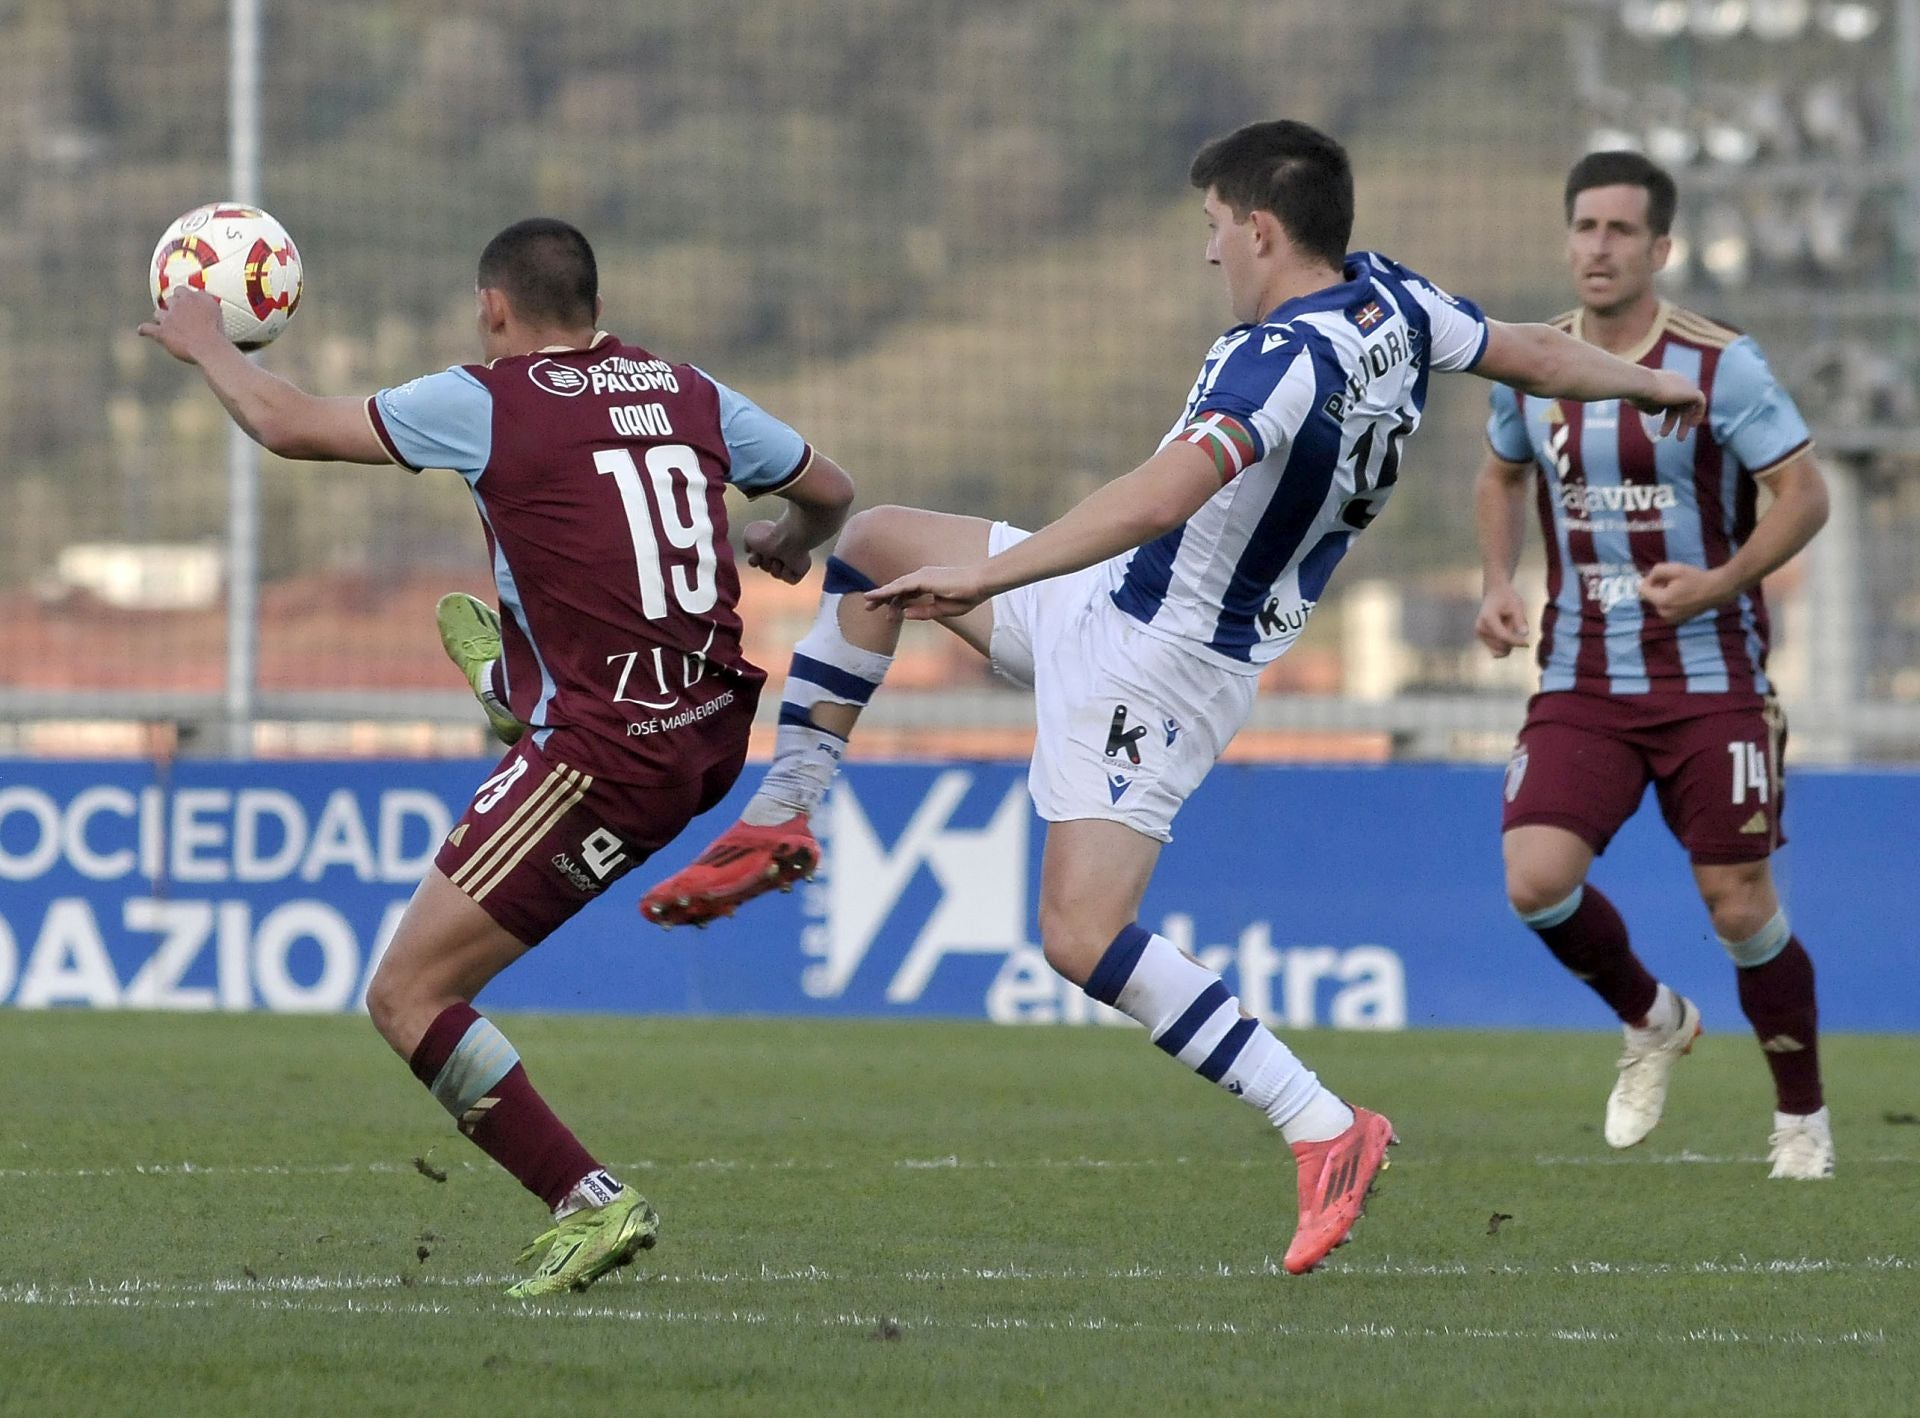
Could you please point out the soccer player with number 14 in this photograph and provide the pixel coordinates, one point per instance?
(1653, 655)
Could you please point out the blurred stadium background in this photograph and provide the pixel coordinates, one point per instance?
(952, 243)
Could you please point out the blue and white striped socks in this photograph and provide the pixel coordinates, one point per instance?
(826, 669)
(1192, 1015)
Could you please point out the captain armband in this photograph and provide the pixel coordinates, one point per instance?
(1223, 438)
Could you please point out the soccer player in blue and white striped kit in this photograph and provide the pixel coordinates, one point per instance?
(1143, 617)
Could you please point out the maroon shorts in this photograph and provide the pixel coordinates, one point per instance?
(1583, 763)
(541, 838)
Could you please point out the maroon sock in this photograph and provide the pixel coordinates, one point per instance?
(475, 1073)
(1592, 943)
(1777, 998)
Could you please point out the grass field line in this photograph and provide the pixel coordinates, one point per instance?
(905, 1164)
(765, 1274)
(894, 1326)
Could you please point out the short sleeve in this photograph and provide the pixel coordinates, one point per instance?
(1749, 414)
(765, 454)
(1271, 384)
(1507, 431)
(1457, 330)
(440, 420)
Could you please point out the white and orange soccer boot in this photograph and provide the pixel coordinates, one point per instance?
(744, 862)
(1336, 1177)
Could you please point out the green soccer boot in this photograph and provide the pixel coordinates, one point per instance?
(588, 1244)
(470, 634)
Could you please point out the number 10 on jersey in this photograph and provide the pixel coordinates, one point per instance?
(654, 502)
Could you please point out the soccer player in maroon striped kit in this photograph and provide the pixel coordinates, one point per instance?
(599, 471)
(1653, 654)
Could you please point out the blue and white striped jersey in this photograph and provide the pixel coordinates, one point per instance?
(1306, 413)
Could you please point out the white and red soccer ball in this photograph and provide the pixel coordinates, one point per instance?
(241, 256)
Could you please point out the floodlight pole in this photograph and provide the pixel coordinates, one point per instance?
(1907, 76)
(243, 458)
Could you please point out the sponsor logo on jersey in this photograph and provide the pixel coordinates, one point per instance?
(579, 880)
(670, 722)
(1274, 621)
(616, 374)
(1632, 497)
(1117, 785)
(1120, 737)
(561, 379)
(1608, 588)
(1173, 732)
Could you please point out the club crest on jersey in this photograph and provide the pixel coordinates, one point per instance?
(561, 379)
(1368, 315)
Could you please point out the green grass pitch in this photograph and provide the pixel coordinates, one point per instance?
(936, 1218)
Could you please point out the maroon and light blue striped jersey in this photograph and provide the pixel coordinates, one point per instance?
(600, 475)
(1615, 500)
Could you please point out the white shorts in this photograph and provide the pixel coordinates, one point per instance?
(1128, 723)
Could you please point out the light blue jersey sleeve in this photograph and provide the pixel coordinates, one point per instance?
(440, 420)
(1507, 427)
(1748, 412)
(766, 454)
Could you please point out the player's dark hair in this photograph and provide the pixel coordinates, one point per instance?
(1623, 168)
(546, 270)
(1296, 173)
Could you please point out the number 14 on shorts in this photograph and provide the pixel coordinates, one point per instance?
(1750, 771)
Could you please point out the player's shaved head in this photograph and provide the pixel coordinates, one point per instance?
(1623, 168)
(1291, 170)
(545, 268)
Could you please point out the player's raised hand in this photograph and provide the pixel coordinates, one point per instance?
(1680, 592)
(188, 327)
(773, 551)
(932, 593)
(1502, 622)
(1675, 396)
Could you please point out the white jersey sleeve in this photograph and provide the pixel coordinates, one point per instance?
(1456, 328)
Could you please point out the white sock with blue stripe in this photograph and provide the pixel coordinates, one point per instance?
(826, 669)
(1192, 1015)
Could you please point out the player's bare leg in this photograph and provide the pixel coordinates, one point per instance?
(1093, 876)
(1547, 886)
(1775, 978)
(444, 951)
(834, 672)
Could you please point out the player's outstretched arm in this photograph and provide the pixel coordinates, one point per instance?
(1538, 359)
(1154, 498)
(1500, 520)
(1679, 591)
(817, 505)
(272, 412)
